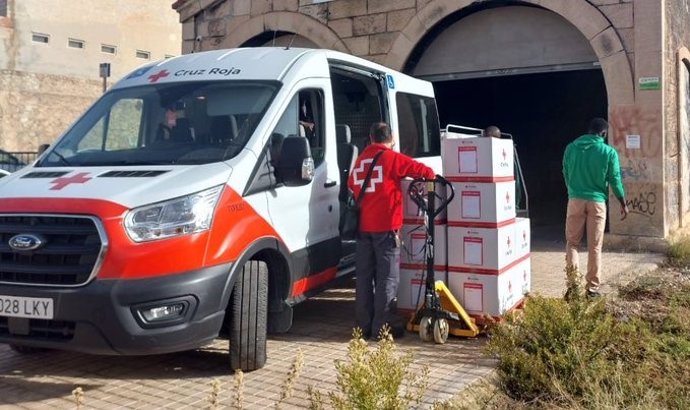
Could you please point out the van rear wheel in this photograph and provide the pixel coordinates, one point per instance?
(248, 317)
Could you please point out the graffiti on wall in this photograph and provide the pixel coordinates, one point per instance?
(634, 170)
(642, 203)
(637, 121)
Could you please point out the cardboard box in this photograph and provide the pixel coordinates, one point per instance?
(492, 295)
(482, 204)
(522, 237)
(478, 157)
(411, 288)
(411, 210)
(414, 241)
(482, 249)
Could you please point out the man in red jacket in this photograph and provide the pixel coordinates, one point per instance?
(381, 216)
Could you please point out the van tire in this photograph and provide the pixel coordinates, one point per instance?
(248, 317)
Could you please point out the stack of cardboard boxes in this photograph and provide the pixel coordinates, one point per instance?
(488, 247)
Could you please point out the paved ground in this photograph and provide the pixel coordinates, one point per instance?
(321, 330)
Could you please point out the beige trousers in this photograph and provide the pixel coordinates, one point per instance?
(592, 215)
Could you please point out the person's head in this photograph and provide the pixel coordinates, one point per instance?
(598, 126)
(492, 131)
(380, 133)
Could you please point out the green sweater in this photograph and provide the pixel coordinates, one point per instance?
(589, 167)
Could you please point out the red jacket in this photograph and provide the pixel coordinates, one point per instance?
(381, 206)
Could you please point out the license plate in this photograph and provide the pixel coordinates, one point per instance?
(31, 308)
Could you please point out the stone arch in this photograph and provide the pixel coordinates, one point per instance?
(591, 22)
(297, 23)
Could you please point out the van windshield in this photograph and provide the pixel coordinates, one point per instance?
(165, 124)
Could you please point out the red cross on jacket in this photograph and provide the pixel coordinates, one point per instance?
(381, 206)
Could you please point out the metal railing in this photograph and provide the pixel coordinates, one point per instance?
(13, 161)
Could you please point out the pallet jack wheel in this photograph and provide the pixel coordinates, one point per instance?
(425, 329)
(441, 330)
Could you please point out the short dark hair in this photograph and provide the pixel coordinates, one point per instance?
(598, 126)
(492, 131)
(380, 132)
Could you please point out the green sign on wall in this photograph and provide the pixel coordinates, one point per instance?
(650, 83)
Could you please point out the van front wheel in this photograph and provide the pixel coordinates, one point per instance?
(247, 315)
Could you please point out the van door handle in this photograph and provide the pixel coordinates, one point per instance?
(329, 184)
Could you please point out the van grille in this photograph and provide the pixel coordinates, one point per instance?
(70, 256)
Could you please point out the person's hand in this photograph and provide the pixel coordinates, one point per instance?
(624, 210)
(309, 125)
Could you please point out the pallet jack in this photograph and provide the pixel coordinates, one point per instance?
(440, 314)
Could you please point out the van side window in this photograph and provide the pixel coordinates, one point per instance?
(122, 129)
(303, 117)
(419, 128)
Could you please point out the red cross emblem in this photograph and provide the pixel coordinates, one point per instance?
(157, 76)
(62, 182)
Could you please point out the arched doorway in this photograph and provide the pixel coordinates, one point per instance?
(527, 70)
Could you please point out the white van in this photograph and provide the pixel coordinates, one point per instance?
(200, 192)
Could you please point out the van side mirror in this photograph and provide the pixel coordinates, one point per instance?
(296, 165)
(42, 148)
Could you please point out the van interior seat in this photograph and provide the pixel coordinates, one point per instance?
(347, 154)
(223, 128)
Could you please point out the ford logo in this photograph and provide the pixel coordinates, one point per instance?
(25, 242)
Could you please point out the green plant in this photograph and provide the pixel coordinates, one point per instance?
(679, 252)
(374, 379)
(558, 350)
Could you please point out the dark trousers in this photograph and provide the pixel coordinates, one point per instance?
(378, 275)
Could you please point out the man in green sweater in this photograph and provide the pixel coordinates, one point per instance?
(589, 168)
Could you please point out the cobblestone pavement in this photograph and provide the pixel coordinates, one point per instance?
(321, 331)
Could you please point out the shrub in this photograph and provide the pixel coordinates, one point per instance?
(374, 379)
(577, 354)
(564, 352)
(679, 252)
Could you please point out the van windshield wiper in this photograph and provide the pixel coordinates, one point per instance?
(60, 157)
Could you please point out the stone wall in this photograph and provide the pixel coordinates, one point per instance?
(37, 108)
(676, 113)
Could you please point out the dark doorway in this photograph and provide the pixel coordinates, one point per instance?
(543, 112)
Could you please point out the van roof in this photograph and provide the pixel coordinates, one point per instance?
(261, 63)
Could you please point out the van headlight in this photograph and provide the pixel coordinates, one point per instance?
(179, 216)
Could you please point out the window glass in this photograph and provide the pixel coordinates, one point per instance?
(3, 8)
(419, 130)
(74, 43)
(176, 123)
(302, 117)
(143, 54)
(40, 38)
(108, 49)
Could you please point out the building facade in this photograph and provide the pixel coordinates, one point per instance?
(50, 56)
(539, 69)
